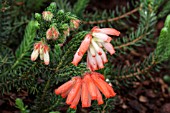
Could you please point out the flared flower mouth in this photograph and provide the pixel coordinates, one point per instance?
(88, 88)
(93, 44)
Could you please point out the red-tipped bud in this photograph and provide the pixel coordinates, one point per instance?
(47, 15)
(75, 23)
(52, 33)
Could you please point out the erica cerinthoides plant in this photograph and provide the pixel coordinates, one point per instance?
(88, 87)
(54, 27)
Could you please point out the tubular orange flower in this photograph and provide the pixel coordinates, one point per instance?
(99, 97)
(99, 62)
(109, 47)
(91, 61)
(76, 58)
(82, 49)
(74, 91)
(91, 86)
(66, 86)
(64, 95)
(84, 45)
(76, 99)
(101, 85)
(84, 95)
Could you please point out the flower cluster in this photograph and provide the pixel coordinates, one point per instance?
(56, 29)
(88, 88)
(92, 44)
(43, 50)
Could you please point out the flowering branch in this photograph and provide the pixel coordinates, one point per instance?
(130, 43)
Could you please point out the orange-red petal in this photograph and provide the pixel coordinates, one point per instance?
(84, 95)
(101, 85)
(76, 99)
(66, 86)
(74, 91)
(85, 44)
(98, 75)
(109, 31)
(77, 58)
(110, 89)
(91, 86)
(64, 94)
(99, 97)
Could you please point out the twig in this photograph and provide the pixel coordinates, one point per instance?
(112, 19)
(130, 43)
(153, 63)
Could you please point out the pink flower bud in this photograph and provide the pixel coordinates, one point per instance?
(52, 33)
(47, 15)
(67, 32)
(75, 23)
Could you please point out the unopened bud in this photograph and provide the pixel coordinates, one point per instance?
(47, 15)
(75, 23)
(52, 33)
(37, 16)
